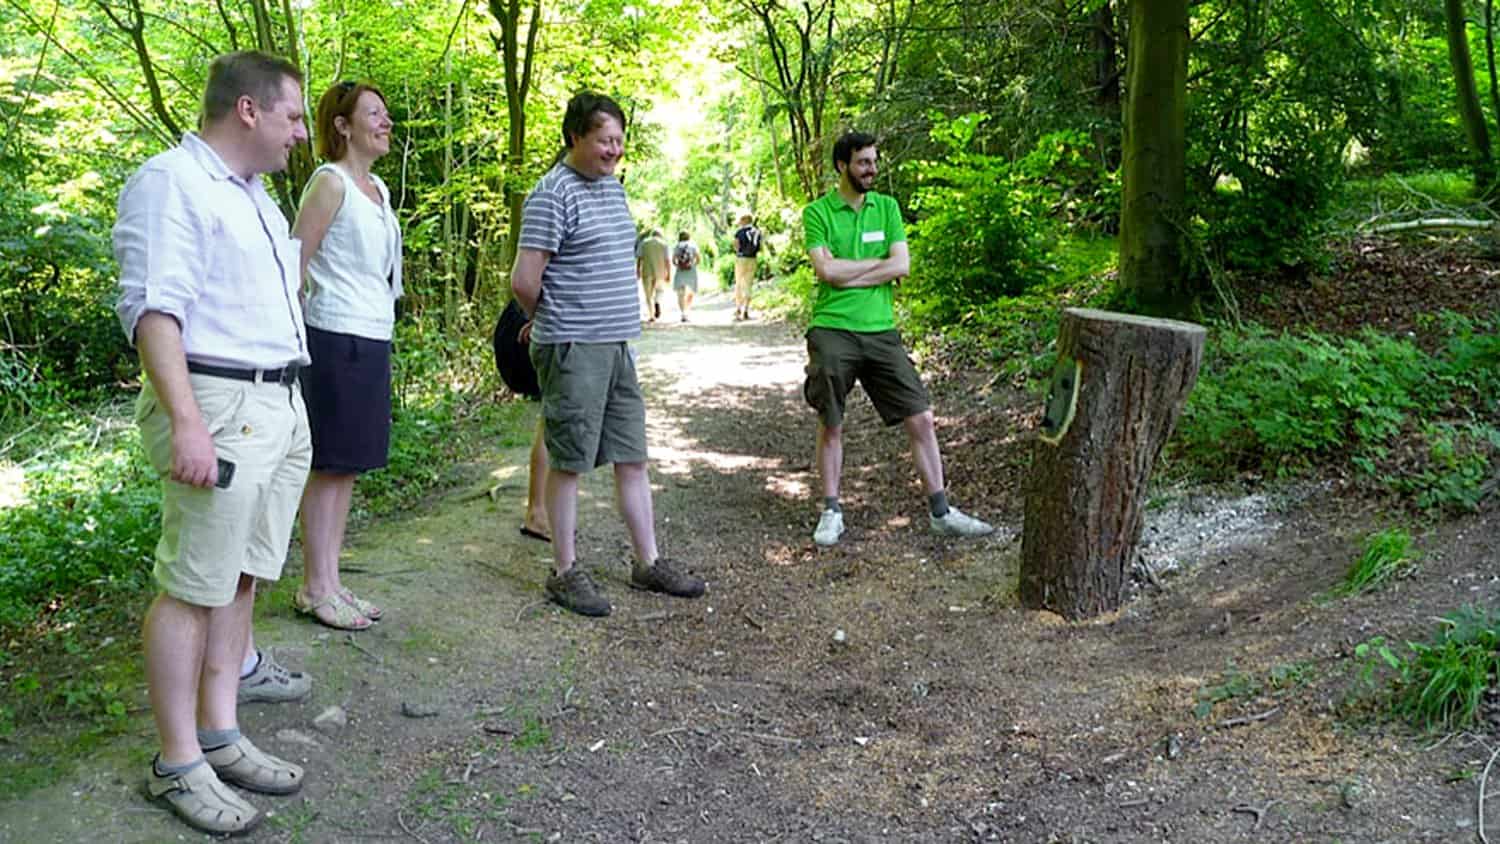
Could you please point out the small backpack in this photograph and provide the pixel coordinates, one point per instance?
(682, 257)
(749, 242)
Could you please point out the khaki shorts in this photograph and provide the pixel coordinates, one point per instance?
(209, 537)
(592, 408)
(837, 358)
(744, 276)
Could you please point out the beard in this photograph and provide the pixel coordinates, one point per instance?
(861, 185)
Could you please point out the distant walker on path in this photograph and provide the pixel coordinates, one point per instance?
(746, 250)
(857, 244)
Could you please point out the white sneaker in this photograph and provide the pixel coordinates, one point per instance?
(957, 523)
(830, 528)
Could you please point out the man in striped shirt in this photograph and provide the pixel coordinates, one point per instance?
(575, 277)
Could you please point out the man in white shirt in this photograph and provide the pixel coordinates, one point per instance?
(209, 279)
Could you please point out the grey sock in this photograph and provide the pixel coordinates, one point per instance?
(831, 502)
(215, 739)
(164, 770)
(937, 503)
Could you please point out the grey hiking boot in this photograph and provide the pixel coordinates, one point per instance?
(958, 523)
(270, 682)
(661, 577)
(576, 591)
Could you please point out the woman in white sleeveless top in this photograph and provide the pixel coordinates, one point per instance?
(351, 264)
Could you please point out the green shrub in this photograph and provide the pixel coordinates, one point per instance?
(1265, 205)
(723, 270)
(1440, 684)
(1281, 402)
(89, 515)
(1017, 334)
(57, 283)
(1417, 126)
(791, 297)
(1412, 421)
(1077, 189)
(1386, 554)
(981, 231)
(1454, 465)
(1469, 364)
(1367, 197)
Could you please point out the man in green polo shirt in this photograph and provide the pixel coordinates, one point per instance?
(858, 248)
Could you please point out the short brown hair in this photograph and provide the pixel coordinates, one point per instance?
(585, 113)
(338, 101)
(246, 73)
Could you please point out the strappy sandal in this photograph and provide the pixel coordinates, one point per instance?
(247, 766)
(203, 801)
(341, 614)
(366, 609)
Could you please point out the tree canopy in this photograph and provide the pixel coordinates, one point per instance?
(1007, 114)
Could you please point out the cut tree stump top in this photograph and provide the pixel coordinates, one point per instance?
(1136, 319)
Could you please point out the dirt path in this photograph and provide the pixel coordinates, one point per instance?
(944, 713)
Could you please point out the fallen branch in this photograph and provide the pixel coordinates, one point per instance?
(1435, 223)
(522, 610)
(408, 830)
(1258, 811)
(1248, 719)
(380, 660)
(1483, 780)
(771, 738)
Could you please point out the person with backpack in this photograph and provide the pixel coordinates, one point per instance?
(746, 248)
(685, 257)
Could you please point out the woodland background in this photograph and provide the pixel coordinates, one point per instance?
(1288, 135)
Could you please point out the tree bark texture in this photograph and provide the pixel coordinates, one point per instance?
(1154, 176)
(1468, 94)
(517, 59)
(1121, 384)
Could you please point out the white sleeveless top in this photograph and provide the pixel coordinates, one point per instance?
(354, 279)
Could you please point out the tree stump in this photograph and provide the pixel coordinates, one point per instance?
(1120, 384)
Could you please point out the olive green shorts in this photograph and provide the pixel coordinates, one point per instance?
(592, 409)
(837, 358)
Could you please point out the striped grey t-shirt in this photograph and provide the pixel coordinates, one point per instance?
(589, 292)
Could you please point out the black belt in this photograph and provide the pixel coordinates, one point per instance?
(286, 375)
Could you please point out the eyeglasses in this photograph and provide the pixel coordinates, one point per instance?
(346, 86)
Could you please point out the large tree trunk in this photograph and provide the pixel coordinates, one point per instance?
(517, 58)
(1154, 173)
(1468, 94)
(1120, 385)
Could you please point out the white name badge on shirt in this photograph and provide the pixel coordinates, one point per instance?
(872, 237)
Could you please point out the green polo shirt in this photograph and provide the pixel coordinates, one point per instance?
(853, 235)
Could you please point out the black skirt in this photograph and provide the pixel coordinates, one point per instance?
(347, 390)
